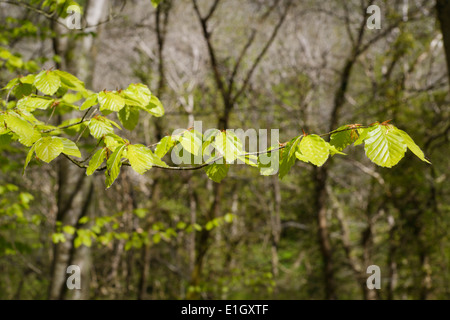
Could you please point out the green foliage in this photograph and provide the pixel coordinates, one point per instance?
(217, 172)
(113, 165)
(141, 158)
(111, 101)
(47, 82)
(155, 3)
(385, 145)
(129, 117)
(343, 137)
(96, 161)
(313, 149)
(48, 148)
(288, 155)
(164, 146)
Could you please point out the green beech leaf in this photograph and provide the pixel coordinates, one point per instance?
(137, 95)
(228, 145)
(11, 83)
(27, 134)
(110, 101)
(288, 155)
(334, 151)
(48, 148)
(363, 132)
(154, 107)
(89, 102)
(22, 90)
(96, 161)
(190, 142)
(70, 81)
(70, 148)
(217, 172)
(343, 137)
(141, 158)
(35, 102)
(411, 144)
(314, 149)
(113, 165)
(129, 117)
(112, 141)
(383, 146)
(164, 146)
(29, 79)
(99, 127)
(29, 156)
(47, 82)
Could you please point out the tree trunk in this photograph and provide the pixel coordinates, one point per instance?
(443, 14)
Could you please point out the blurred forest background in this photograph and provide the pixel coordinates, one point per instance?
(282, 64)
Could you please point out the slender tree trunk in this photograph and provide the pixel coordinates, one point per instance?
(443, 14)
(275, 223)
(66, 195)
(323, 232)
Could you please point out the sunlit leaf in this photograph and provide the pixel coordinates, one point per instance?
(314, 149)
(217, 172)
(47, 82)
(384, 147)
(110, 101)
(96, 161)
(48, 148)
(411, 144)
(113, 165)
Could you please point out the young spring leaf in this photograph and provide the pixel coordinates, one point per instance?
(89, 102)
(22, 90)
(28, 159)
(35, 102)
(27, 134)
(47, 82)
(129, 117)
(411, 144)
(164, 146)
(70, 148)
(343, 137)
(96, 161)
(383, 146)
(190, 142)
(137, 95)
(288, 156)
(217, 172)
(69, 80)
(228, 145)
(140, 157)
(48, 148)
(112, 141)
(314, 149)
(154, 107)
(363, 132)
(110, 101)
(113, 165)
(100, 127)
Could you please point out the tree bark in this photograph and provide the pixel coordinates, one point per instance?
(443, 14)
